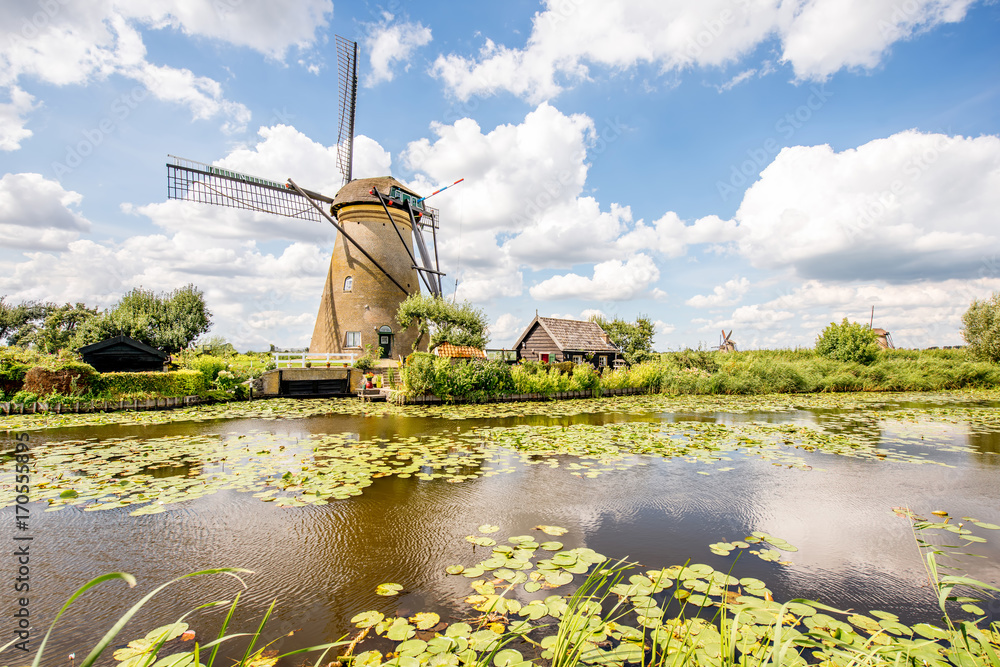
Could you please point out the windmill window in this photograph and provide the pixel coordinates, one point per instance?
(348, 283)
(353, 339)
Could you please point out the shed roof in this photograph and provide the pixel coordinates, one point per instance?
(116, 340)
(459, 351)
(357, 191)
(571, 335)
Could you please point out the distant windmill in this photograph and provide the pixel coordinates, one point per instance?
(727, 344)
(373, 267)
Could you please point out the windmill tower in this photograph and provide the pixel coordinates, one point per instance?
(726, 343)
(381, 225)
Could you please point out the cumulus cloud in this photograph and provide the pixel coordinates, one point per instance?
(727, 294)
(613, 280)
(38, 214)
(816, 37)
(505, 330)
(910, 206)
(390, 46)
(13, 118)
(64, 43)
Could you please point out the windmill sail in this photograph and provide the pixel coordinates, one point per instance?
(347, 65)
(195, 181)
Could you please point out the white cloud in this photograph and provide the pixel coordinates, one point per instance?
(13, 119)
(505, 330)
(612, 281)
(910, 206)
(63, 43)
(390, 45)
(38, 214)
(727, 294)
(817, 37)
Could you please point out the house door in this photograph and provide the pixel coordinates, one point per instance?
(545, 357)
(385, 341)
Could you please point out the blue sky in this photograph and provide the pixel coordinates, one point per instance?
(759, 166)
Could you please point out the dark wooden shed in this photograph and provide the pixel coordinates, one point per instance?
(122, 354)
(552, 340)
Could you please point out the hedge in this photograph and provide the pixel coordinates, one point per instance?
(172, 383)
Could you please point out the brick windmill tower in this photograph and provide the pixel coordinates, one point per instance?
(386, 245)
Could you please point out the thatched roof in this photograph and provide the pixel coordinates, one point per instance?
(357, 191)
(571, 335)
(459, 351)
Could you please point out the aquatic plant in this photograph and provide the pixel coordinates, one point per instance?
(145, 651)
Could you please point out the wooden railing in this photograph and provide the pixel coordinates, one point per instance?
(317, 359)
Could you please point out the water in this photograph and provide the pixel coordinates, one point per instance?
(322, 563)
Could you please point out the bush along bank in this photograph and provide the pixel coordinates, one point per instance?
(696, 372)
(35, 382)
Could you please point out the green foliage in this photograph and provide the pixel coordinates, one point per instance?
(634, 339)
(18, 324)
(446, 322)
(25, 397)
(474, 380)
(848, 341)
(982, 328)
(367, 361)
(208, 366)
(169, 322)
(172, 383)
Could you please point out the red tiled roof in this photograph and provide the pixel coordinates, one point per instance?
(459, 351)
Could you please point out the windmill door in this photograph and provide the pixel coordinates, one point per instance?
(385, 341)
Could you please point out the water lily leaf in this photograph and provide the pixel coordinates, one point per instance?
(425, 620)
(367, 659)
(458, 630)
(551, 546)
(402, 661)
(412, 647)
(455, 569)
(400, 630)
(532, 586)
(558, 577)
(507, 658)
(555, 531)
(388, 589)
(367, 619)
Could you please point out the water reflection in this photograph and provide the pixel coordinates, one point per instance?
(323, 563)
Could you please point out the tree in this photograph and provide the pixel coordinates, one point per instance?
(635, 340)
(60, 327)
(458, 324)
(848, 341)
(19, 324)
(170, 322)
(982, 328)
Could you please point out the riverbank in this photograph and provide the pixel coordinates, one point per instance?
(701, 372)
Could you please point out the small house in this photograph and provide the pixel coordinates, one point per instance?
(552, 340)
(123, 354)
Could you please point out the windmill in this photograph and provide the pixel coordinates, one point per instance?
(727, 344)
(386, 245)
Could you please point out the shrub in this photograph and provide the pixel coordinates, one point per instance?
(227, 380)
(67, 377)
(584, 378)
(848, 341)
(25, 397)
(208, 366)
(172, 383)
(982, 328)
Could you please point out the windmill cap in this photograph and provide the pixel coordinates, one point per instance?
(359, 191)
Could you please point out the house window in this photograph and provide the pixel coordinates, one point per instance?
(602, 360)
(348, 283)
(577, 358)
(353, 339)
